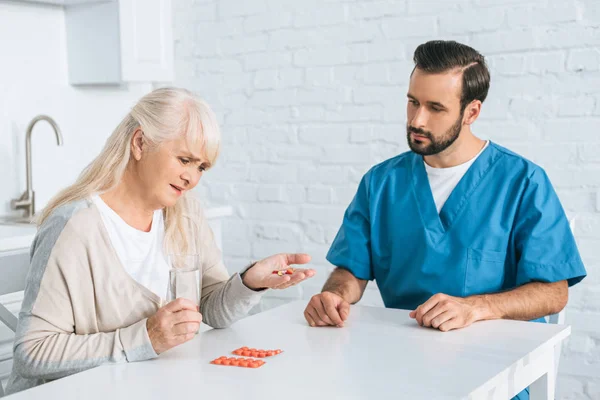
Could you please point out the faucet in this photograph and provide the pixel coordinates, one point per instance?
(27, 200)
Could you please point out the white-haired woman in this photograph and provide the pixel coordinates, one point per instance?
(98, 263)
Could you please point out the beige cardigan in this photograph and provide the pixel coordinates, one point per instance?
(82, 309)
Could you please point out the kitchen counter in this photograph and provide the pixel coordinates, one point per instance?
(15, 237)
(20, 236)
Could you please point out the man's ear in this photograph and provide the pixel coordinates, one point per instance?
(472, 111)
(137, 144)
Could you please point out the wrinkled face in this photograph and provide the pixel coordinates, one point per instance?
(434, 115)
(168, 171)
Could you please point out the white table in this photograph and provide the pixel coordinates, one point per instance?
(380, 354)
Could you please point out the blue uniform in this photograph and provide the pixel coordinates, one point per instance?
(502, 226)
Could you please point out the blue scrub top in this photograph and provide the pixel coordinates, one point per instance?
(502, 226)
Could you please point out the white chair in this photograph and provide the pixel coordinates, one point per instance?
(8, 319)
(13, 270)
(559, 319)
(556, 319)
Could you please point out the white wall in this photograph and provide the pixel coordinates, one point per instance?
(33, 80)
(311, 94)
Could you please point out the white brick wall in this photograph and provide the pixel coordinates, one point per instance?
(311, 93)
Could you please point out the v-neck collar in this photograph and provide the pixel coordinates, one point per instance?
(436, 224)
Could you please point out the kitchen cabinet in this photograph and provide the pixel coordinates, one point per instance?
(116, 42)
(113, 42)
(64, 2)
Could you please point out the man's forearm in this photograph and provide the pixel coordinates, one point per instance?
(527, 302)
(346, 285)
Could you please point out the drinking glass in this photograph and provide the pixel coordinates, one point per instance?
(185, 277)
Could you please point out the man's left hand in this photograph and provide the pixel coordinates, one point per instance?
(446, 313)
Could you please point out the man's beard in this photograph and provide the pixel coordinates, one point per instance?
(436, 145)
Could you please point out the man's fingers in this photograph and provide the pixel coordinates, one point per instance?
(431, 314)
(332, 311)
(441, 318)
(322, 314)
(344, 310)
(312, 313)
(318, 310)
(309, 318)
(425, 307)
(452, 323)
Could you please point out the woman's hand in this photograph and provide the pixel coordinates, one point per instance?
(261, 275)
(174, 324)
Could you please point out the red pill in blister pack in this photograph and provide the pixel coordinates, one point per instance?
(238, 362)
(259, 353)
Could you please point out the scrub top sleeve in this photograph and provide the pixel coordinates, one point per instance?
(545, 247)
(351, 248)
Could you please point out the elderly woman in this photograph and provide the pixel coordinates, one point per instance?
(99, 265)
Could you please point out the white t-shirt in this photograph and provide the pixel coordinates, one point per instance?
(443, 180)
(141, 253)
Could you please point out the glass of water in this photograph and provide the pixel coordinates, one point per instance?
(185, 277)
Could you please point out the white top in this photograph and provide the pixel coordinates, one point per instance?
(381, 353)
(444, 180)
(141, 253)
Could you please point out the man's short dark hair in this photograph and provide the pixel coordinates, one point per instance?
(439, 56)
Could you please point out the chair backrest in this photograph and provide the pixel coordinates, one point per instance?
(559, 318)
(14, 267)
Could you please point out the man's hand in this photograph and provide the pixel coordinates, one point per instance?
(327, 309)
(445, 312)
